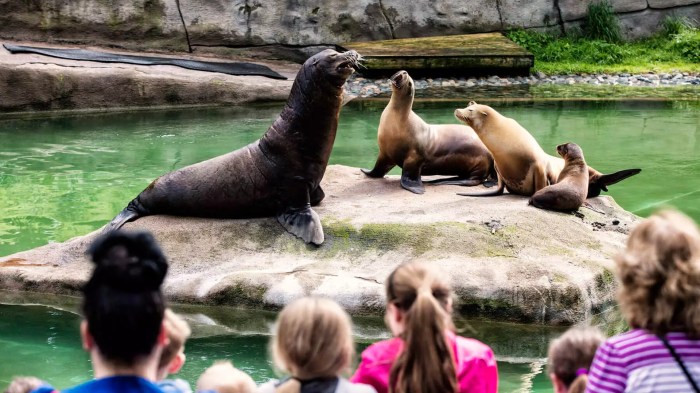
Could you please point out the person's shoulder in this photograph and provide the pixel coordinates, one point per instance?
(345, 386)
(175, 385)
(383, 350)
(473, 347)
(630, 338)
(121, 384)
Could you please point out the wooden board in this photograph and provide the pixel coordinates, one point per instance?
(457, 55)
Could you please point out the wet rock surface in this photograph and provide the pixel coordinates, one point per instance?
(507, 260)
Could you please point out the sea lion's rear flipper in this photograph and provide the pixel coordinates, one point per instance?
(304, 223)
(131, 212)
(501, 186)
(455, 181)
(602, 182)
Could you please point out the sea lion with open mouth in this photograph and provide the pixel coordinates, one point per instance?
(277, 175)
(420, 148)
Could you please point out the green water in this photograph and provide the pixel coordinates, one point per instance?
(65, 176)
(44, 341)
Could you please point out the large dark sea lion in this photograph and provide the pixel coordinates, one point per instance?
(571, 188)
(523, 167)
(420, 148)
(277, 175)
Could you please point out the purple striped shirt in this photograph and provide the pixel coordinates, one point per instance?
(638, 361)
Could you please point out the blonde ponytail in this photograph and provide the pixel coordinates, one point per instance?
(426, 364)
(579, 384)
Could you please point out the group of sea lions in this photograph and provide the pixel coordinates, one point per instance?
(279, 174)
(489, 146)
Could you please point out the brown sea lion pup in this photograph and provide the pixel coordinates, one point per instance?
(420, 148)
(277, 175)
(522, 166)
(571, 188)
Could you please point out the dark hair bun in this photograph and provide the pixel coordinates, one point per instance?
(128, 261)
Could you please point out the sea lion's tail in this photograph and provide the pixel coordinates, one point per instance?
(601, 183)
(131, 212)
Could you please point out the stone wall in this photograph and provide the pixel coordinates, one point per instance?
(178, 25)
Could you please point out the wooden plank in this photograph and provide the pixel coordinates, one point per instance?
(457, 54)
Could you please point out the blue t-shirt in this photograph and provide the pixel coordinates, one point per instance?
(118, 384)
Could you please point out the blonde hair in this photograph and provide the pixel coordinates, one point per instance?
(426, 364)
(313, 339)
(222, 377)
(571, 352)
(23, 385)
(660, 275)
(178, 331)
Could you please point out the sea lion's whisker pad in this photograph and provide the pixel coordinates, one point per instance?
(278, 175)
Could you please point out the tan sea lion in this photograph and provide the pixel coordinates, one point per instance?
(277, 175)
(522, 166)
(420, 148)
(571, 188)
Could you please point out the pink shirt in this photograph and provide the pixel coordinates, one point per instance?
(476, 365)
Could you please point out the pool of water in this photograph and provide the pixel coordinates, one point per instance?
(64, 176)
(44, 341)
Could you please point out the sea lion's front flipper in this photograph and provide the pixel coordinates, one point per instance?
(304, 223)
(601, 183)
(381, 167)
(412, 182)
(316, 196)
(297, 217)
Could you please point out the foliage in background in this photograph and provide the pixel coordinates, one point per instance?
(601, 22)
(677, 47)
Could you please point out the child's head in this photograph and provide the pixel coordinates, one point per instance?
(24, 384)
(222, 377)
(660, 275)
(313, 339)
(419, 306)
(173, 356)
(570, 356)
(122, 303)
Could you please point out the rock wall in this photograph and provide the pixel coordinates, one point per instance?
(187, 24)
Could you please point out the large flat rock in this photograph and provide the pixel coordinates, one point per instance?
(507, 260)
(35, 82)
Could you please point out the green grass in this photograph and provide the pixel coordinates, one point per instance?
(676, 48)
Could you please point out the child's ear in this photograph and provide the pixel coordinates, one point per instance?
(177, 363)
(86, 337)
(163, 339)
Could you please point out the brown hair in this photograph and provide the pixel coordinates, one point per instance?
(660, 275)
(571, 352)
(313, 339)
(178, 331)
(426, 364)
(222, 377)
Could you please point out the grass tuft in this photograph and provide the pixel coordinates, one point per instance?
(601, 22)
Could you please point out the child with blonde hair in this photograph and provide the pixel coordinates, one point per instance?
(173, 356)
(222, 377)
(570, 357)
(425, 355)
(313, 344)
(659, 296)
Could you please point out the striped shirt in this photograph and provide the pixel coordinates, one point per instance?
(638, 361)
